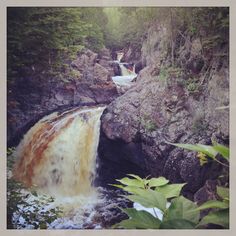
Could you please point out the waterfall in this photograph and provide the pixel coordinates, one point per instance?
(124, 81)
(58, 154)
(119, 56)
(125, 71)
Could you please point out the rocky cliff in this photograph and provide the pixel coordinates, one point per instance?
(175, 103)
(31, 98)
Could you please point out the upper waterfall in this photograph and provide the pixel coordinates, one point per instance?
(127, 73)
(58, 154)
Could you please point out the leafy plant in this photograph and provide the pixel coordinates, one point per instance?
(168, 209)
(173, 72)
(156, 193)
(148, 124)
(220, 215)
(38, 37)
(210, 150)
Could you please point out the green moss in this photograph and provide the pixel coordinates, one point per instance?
(170, 72)
(148, 124)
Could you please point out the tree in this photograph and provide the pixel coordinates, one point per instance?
(38, 37)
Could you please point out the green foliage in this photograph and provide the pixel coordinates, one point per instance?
(148, 124)
(177, 224)
(154, 193)
(36, 213)
(192, 85)
(10, 150)
(221, 149)
(214, 204)
(170, 72)
(163, 75)
(223, 192)
(38, 37)
(202, 158)
(210, 151)
(128, 26)
(181, 214)
(149, 198)
(170, 190)
(32, 212)
(138, 220)
(182, 209)
(157, 182)
(220, 217)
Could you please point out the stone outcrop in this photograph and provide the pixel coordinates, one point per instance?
(31, 98)
(170, 104)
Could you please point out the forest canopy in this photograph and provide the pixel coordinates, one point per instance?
(40, 38)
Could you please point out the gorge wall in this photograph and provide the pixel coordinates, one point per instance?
(29, 99)
(177, 103)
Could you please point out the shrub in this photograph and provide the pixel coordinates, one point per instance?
(170, 209)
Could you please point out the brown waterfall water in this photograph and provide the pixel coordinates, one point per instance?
(57, 158)
(58, 154)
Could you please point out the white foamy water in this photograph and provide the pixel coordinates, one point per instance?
(154, 211)
(57, 157)
(125, 80)
(127, 76)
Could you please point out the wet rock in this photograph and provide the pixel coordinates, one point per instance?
(206, 193)
(31, 98)
(101, 73)
(195, 65)
(116, 69)
(161, 107)
(138, 67)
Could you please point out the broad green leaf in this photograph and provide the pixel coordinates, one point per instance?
(154, 182)
(226, 200)
(117, 185)
(177, 224)
(139, 220)
(170, 190)
(182, 209)
(133, 190)
(149, 198)
(146, 181)
(221, 149)
(220, 217)
(131, 182)
(213, 204)
(135, 176)
(222, 192)
(208, 150)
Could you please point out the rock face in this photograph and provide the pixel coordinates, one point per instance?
(31, 98)
(175, 104)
